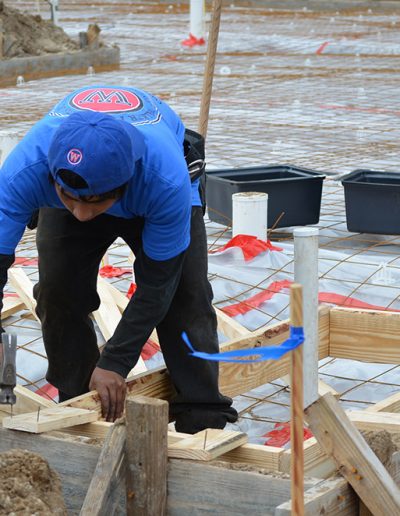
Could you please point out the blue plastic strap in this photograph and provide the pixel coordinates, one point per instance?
(265, 353)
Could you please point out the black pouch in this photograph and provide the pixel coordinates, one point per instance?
(194, 149)
(193, 145)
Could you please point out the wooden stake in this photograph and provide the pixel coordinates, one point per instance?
(296, 406)
(102, 496)
(210, 65)
(146, 454)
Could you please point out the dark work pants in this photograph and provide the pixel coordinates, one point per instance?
(70, 253)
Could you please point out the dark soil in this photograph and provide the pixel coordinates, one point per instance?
(27, 35)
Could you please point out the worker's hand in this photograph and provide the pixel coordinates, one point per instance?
(112, 389)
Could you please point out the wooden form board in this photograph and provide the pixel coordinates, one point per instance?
(221, 488)
(234, 378)
(333, 497)
(74, 461)
(44, 420)
(365, 335)
(352, 455)
(201, 488)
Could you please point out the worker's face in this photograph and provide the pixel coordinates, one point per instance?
(81, 210)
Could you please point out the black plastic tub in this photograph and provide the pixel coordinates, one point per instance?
(294, 191)
(372, 201)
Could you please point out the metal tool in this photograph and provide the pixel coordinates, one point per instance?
(8, 373)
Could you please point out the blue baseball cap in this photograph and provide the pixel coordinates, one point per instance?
(98, 147)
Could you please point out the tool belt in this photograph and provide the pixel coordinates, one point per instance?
(193, 145)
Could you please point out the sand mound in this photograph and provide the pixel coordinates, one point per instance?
(27, 35)
(28, 485)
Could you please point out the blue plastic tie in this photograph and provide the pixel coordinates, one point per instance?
(265, 353)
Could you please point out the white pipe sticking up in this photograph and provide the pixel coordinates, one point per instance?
(54, 11)
(250, 214)
(197, 19)
(306, 273)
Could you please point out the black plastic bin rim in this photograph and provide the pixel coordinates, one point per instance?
(357, 177)
(298, 174)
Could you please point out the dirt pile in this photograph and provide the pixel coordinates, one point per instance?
(28, 485)
(26, 35)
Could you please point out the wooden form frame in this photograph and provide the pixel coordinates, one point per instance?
(343, 333)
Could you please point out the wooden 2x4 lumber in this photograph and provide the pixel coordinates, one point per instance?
(267, 457)
(206, 445)
(28, 401)
(352, 455)
(377, 421)
(23, 287)
(234, 378)
(389, 404)
(146, 456)
(238, 378)
(333, 496)
(48, 419)
(323, 387)
(365, 335)
(229, 327)
(108, 316)
(220, 489)
(102, 496)
(11, 305)
(316, 463)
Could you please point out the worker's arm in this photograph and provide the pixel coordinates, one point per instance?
(156, 285)
(5, 263)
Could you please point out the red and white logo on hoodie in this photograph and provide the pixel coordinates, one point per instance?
(107, 100)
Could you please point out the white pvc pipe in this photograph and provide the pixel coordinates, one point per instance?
(250, 214)
(306, 273)
(54, 11)
(197, 19)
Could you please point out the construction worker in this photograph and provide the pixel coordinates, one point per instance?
(109, 162)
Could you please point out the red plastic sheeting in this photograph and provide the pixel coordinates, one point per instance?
(255, 301)
(131, 291)
(108, 271)
(323, 297)
(192, 41)
(48, 391)
(25, 262)
(250, 245)
(281, 435)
